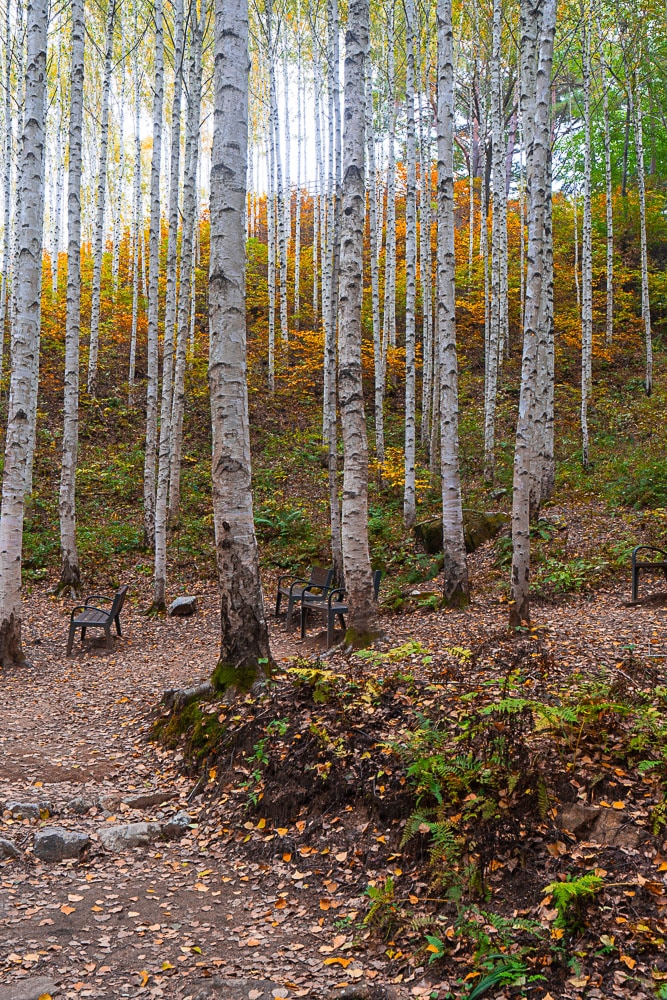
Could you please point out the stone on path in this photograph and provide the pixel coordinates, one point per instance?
(29, 989)
(8, 850)
(147, 799)
(176, 826)
(182, 607)
(79, 806)
(55, 844)
(119, 838)
(25, 810)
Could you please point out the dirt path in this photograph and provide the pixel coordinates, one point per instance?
(193, 916)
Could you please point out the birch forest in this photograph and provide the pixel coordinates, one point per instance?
(381, 288)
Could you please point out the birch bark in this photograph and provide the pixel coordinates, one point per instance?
(7, 189)
(378, 373)
(389, 321)
(362, 627)
(165, 442)
(455, 570)
(153, 274)
(409, 492)
(136, 213)
(244, 643)
(70, 579)
(638, 128)
(98, 247)
(187, 291)
(609, 209)
(538, 21)
(25, 334)
(586, 247)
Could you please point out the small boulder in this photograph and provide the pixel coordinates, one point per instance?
(111, 801)
(478, 527)
(29, 989)
(182, 607)
(120, 838)
(55, 844)
(79, 806)
(176, 826)
(8, 850)
(577, 817)
(147, 799)
(25, 810)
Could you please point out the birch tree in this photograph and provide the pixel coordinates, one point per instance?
(7, 179)
(164, 451)
(69, 573)
(362, 627)
(153, 274)
(409, 493)
(635, 99)
(244, 644)
(538, 22)
(455, 568)
(25, 333)
(98, 248)
(136, 207)
(586, 248)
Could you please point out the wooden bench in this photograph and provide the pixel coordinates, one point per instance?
(88, 615)
(639, 565)
(298, 589)
(334, 606)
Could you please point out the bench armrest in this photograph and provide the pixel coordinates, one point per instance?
(336, 590)
(296, 582)
(647, 548)
(89, 607)
(97, 597)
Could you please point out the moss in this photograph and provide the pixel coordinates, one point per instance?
(199, 732)
(361, 640)
(240, 678)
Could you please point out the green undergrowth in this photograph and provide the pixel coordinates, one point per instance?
(463, 759)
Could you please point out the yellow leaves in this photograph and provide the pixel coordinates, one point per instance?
(73, 898)
(67, 909)
(618, 805)
(282, 831)
(145, 976)
(212, 773)
(166, 966)
(287, 857)
(338, 960)
(629, 961)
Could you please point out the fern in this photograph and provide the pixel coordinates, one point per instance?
(570, 894)
(511, 972)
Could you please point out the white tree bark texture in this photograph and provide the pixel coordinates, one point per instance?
(362, 624)
(455, 567)
(409, 491)
(25, 333)
(69, 573)
(538, 21)
(102, 166)
(244, 644)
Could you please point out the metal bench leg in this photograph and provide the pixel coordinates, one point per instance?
(83, 633)
(117, 620)
(290, 609)
(278, 599)
(70, 639)
(635, 582)
(107, 632)
(331, 627)
(303, 621)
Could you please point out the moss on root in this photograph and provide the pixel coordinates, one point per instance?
(198, 731)
(242, 678)
(361, 640)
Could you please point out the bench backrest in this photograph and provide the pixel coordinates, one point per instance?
(377, 576)
(320, 577)
(118, 602)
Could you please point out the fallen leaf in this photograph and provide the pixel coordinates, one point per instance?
(67, 909)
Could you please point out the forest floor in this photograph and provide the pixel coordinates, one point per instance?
(246, 904)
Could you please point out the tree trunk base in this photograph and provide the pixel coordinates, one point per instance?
(70, 580)
(176, 699)
(11, 650)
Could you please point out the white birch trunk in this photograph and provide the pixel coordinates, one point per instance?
(280, 192)
(57, 211)
(164, 449)
(389, 324)
(609, 206)
(271, 240)
(25, 334)
(586, 250)
(425, 267)
(136, 213)
(153, 273)
(637, 122)
(455, 568)
(362, 626)
(98, 246)
(7, 189)
(70, 580)
(120, 182)
(537, 37)
(299, 154)
(378, 365)
(409, 492)
(187, 290)
(244, 643)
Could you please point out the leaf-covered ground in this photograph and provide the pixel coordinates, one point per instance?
(385, 822)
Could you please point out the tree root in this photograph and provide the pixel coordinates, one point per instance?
(175, 699)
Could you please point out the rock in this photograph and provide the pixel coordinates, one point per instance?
(119, 838)
(55, 844)
(29, 989)
(79, 806)
(8, 850)
(26, 810)
(577, 817)
(237, 989)
(478, 527)
(111, 801)
(604, 826)
(363, 993)
(176, 826)
(147, 799)
(182, 607)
